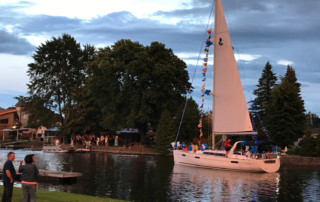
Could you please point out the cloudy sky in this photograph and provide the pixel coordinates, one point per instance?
(281, 32)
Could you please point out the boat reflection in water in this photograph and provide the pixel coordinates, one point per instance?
(199, 184)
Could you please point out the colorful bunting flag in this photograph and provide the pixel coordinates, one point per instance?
(208, 42)
(204, 70)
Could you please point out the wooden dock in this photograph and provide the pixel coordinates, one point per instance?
(58, 174)
(52, 176)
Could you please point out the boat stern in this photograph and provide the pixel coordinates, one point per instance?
(270, 165)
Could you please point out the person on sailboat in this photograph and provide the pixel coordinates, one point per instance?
(248, 153)
(227, 144)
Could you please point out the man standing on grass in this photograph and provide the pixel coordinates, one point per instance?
(9, 173)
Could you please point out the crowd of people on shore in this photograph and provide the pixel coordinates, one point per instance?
(93, 140)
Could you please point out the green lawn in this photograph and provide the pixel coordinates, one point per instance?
(47, 196)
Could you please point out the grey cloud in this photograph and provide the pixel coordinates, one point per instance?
(48, 24)
(12, 44)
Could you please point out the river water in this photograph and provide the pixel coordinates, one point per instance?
(156, 178)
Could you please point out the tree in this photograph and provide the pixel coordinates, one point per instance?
(291, 77)
(267, 82)
(85, 116)
(189, 127)
(285, 113)
(310, 146)
(165, 133)
(40, 112)
(132, 84)
(58, 70)
(313, 120)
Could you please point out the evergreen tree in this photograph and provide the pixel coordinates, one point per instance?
(267, 82)
(285, 116)
(291, 77)
(165, 133)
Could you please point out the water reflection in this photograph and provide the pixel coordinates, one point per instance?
(156, 178)
(197, 184)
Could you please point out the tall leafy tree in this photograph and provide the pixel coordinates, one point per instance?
(58, 70)
(285, 112)
(133, 83)
(85, 115)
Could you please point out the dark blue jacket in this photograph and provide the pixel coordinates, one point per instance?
(8, 165)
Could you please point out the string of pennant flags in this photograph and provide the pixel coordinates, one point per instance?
(204, 73)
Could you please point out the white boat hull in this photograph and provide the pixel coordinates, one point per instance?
(221, 162)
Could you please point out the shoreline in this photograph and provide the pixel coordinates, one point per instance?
(300, 160)
(143, 150)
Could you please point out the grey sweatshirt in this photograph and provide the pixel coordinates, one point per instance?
(29, 172)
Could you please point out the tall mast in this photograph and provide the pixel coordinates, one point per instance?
(214, 67)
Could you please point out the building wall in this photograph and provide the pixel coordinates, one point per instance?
(11, 121)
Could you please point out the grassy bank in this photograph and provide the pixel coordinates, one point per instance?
(48, 196)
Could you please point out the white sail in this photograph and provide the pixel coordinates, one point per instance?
(230, 110)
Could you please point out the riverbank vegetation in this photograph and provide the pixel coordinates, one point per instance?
(279, 114)
(129, 85)
(48, 196)
(126, 85)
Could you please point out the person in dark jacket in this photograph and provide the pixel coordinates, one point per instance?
(29, 178)
(9, 173)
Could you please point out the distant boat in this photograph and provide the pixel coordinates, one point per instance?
(53, 149)
(230, 113)
(82, 150)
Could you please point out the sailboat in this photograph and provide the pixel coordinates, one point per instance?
(230, 115)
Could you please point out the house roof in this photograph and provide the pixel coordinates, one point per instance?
(7, 111)
(21, 104)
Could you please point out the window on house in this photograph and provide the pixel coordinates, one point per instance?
(4, 121)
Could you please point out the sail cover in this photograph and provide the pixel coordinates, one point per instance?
(230, 110)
